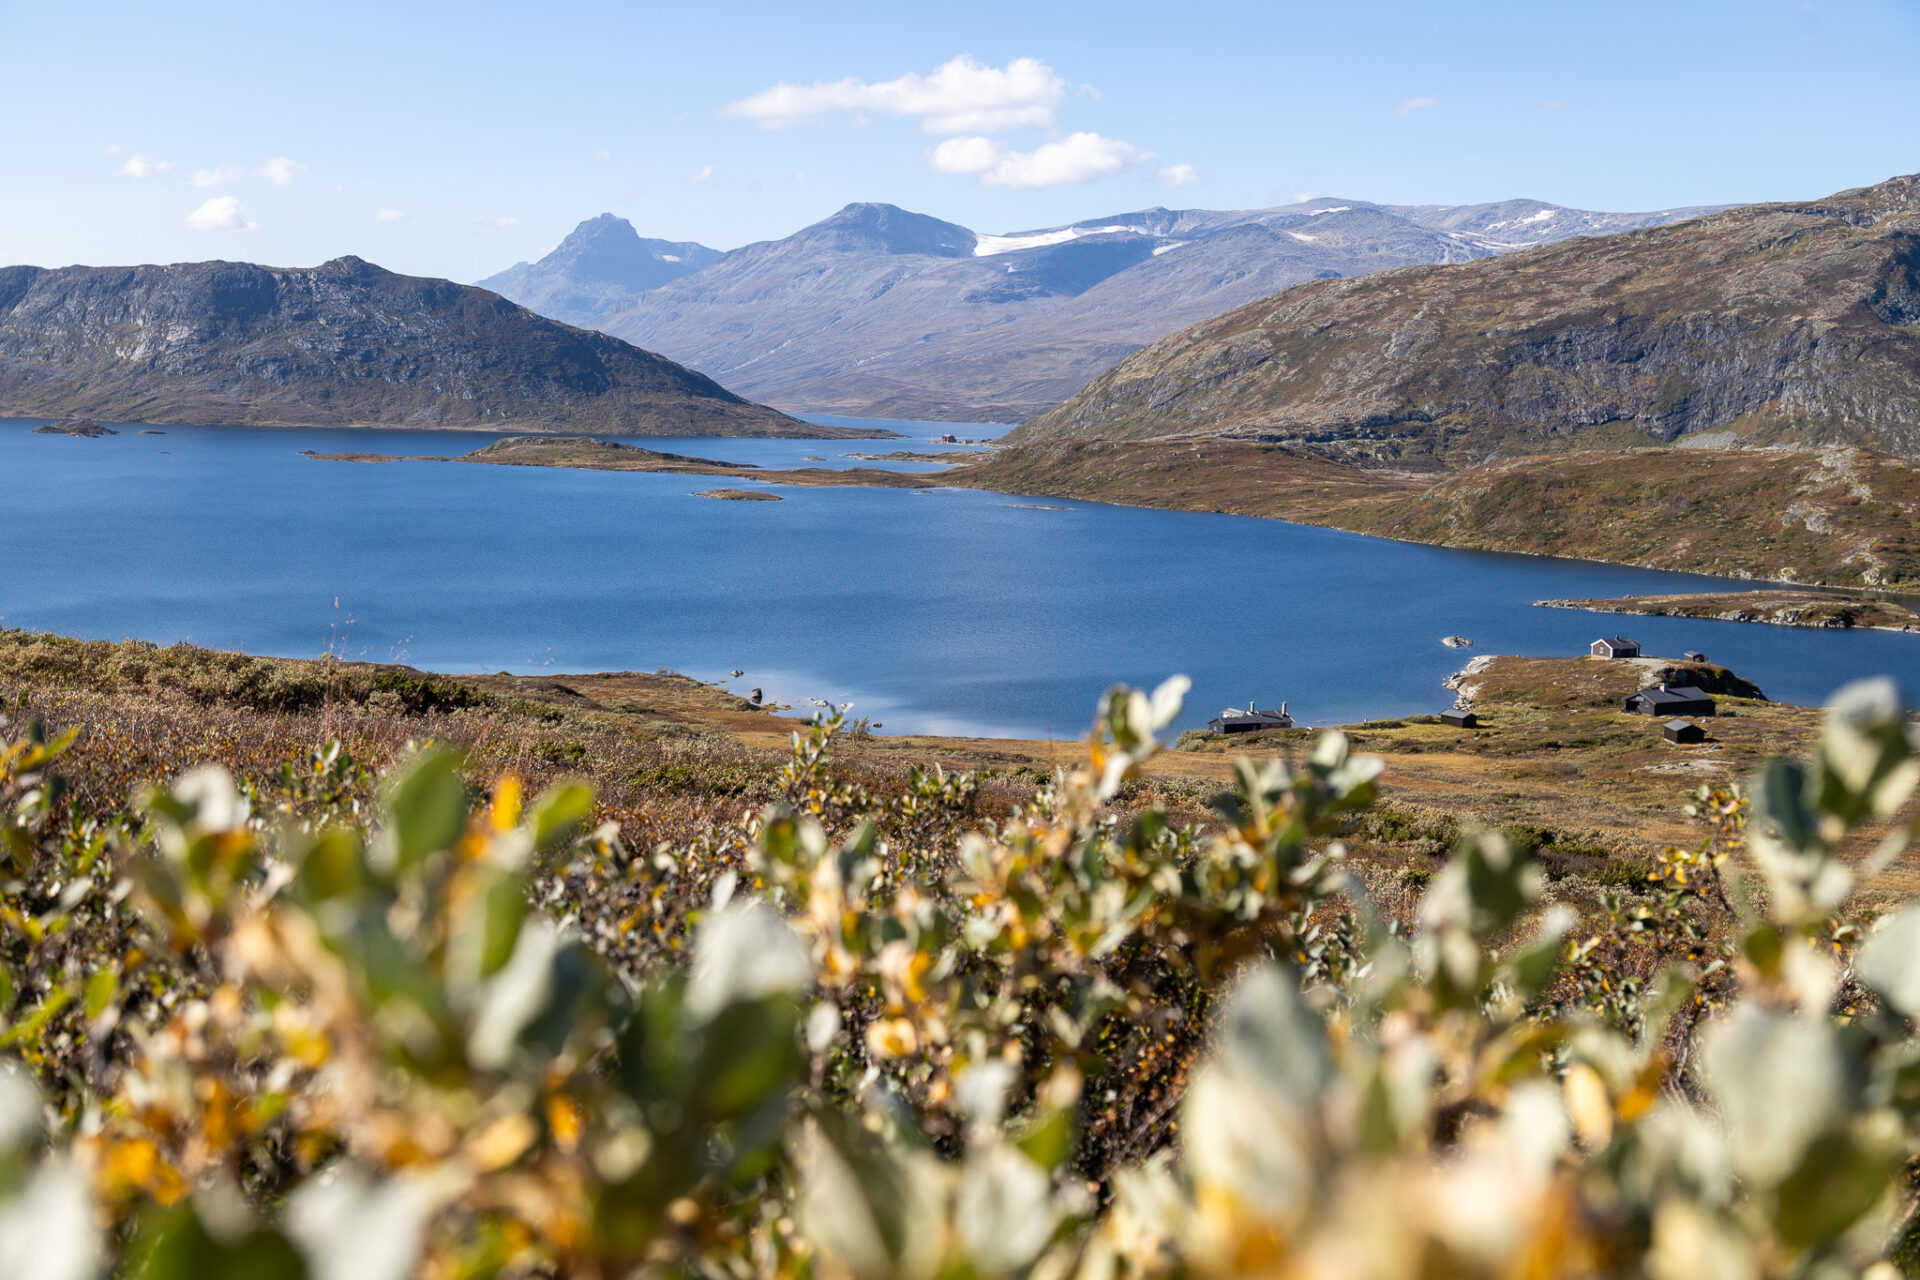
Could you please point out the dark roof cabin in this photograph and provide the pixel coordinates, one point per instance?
(1252, 720)
(1674, 700)
(1614, 647)
(1694, 655)
(1682, 731)
(1460, 719)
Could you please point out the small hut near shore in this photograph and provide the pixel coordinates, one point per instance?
(1252, 720)
(1683, 731)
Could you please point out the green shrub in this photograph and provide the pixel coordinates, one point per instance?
(861, 1032)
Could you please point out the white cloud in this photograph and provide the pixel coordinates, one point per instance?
(967, 155)
(1413, 104)
(504, 224)
(389, 215)
(961, 96)
(1178, 175)
(603, 156)
(1079, 157)
(115, 148)
(222, 213)
(705, 173)
(142, 165)
(1546, 106)
(281, 171)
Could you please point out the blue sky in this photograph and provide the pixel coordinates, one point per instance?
(455, 139)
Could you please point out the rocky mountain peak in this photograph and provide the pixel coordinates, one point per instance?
(885, 228)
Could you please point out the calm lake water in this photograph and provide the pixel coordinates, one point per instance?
(947, 611)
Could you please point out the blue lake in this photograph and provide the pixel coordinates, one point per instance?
(947, 611)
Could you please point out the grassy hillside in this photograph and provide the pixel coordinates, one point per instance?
(1833, 516)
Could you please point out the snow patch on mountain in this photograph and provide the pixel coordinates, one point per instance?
(988, 246)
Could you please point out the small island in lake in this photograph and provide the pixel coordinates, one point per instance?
(738, 495)
(85, 427)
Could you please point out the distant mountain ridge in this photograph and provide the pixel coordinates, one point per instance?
(344, 343)
(880, 311)
(603, 261)
(1794, 323)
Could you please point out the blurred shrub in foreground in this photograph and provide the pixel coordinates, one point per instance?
(473, 1034)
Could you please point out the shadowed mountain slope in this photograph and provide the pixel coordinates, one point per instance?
(344, 343)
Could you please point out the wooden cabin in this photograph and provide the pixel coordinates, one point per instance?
(1614, 647)
(1460, 719)
(1683, 731)
(1252, 720)
(1669, 700)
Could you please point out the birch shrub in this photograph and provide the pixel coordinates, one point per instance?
(469, 1032)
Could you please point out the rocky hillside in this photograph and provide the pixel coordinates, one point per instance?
(1768, 323)
(881, 311)
(603, 262)
(345, 343)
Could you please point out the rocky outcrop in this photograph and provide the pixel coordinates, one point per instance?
(345, 343)
(1777, 323)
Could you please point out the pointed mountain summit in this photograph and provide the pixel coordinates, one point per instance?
(604, 259)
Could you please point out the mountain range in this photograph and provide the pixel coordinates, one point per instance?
(344, 343)
(1735, 395)
(1775, 323)
(883, 312)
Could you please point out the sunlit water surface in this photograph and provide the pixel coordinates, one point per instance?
(945, 611)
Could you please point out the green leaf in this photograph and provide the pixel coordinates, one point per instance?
(1049, 1138)
(102, 986)
(1840, 1178)
(177, 1245)
(335, 866)
(559, 810)
(426, 810)
(504, 907)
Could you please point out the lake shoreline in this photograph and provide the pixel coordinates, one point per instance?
(1828, 610)
(975, 613)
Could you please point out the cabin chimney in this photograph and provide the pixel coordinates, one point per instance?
(1283, 706)
(1663, 686)
(1249, 706)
